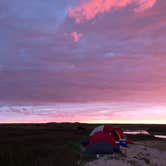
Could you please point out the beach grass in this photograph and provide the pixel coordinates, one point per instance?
(45, 144)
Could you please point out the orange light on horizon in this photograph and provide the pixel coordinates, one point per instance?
(152, 121)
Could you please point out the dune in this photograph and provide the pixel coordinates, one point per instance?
(139, 154)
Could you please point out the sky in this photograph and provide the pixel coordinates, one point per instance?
(83, 60)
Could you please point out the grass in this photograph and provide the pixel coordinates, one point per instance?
(40, 145)
(43, 144)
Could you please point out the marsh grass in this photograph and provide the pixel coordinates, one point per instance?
(45, 144)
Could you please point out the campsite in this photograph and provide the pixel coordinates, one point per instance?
(58, 144)
(82, 82)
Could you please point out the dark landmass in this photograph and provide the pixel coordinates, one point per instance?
(54, 144)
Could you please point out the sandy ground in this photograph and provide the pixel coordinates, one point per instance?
(148, 153)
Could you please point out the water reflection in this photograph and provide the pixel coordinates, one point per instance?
(143, 132)
(160, 136)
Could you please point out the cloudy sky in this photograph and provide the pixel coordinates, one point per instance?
(83, 60)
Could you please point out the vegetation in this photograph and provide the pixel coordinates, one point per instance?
(43, 144)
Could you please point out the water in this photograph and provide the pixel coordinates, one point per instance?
(160, 136)
(144, 132)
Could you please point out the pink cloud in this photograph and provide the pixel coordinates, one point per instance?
(144, 5)
(74, 35)
(90, 9)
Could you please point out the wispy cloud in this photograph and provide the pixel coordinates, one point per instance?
(83, 112)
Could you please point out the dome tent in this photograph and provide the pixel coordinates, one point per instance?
(105, 139)
(97, 129)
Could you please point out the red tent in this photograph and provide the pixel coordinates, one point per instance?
(108, 133)
(106, 139)
(119, 136)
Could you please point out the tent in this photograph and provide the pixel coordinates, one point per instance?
(119, 135)
(105, 139)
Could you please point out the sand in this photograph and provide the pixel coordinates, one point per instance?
(147, 153)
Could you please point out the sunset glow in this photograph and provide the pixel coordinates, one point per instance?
(85, 112)
(95, 61)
